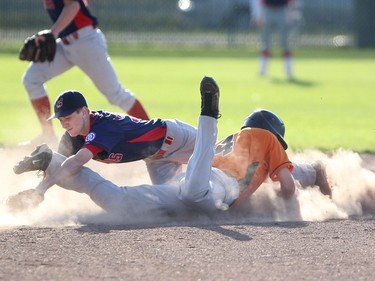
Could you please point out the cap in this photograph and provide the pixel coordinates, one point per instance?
(68, 102)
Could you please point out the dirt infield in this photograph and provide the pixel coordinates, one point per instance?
(310, 238)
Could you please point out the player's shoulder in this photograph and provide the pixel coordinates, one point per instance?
(254, 132)
(255, 135)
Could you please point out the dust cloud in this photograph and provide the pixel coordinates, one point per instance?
(352, 181)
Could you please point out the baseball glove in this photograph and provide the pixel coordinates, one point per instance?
(24, 200)
(39, 47)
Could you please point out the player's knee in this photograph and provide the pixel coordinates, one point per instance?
(32, 80)
(193, 190)
(31, 77)
(26, 80)
(33, 85)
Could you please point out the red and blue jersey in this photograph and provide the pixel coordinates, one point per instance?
(119, 138)
(83, 17)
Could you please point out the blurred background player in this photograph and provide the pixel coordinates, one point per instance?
(80, 43)
(268, 15)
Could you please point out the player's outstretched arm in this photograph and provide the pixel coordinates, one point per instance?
(244, 195)
(287, 185)
(69, 167)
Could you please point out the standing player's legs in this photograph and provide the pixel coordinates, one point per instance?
(33, 80)
(90, 54)
(285, 45)
(265, 41)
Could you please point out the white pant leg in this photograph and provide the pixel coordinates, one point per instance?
(305, 174)
(104, 193)
(177, 153)
(198, 172)
(135, 203)
(90, 54)
(266, 31)
(204, 187)
(284, 29)
(38, 73)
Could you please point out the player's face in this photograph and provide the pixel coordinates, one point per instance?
(73, 123)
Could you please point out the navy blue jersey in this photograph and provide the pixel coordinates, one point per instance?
(82, 19)
(276, 3)
(124, 138)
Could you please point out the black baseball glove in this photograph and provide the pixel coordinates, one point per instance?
(40, 47)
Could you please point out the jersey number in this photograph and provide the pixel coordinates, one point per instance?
(225, 146)
(115, 157)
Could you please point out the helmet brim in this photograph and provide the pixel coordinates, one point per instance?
(282, 141)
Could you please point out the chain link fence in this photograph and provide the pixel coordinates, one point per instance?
(190, 22)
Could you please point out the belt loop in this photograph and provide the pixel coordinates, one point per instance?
(70, 37)
(168, 140)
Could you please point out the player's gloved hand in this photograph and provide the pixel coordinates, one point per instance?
(24, 200)
(40, 47)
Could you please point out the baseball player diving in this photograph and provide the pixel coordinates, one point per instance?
(74, 39)
(202, 188)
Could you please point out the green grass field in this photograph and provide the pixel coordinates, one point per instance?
(328, 106)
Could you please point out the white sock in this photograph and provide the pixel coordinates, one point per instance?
(288, 64)
(263, 65)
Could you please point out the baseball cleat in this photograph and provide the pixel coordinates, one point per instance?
(38, 160)
(24, 200)
(321, 178)
(210, 97)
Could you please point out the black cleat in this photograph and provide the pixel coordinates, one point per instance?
(38, 160)
(210, 97)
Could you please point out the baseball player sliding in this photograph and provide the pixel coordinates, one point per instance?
(203, 187)
(79, 43)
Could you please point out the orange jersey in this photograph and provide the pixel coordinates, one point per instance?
(250, 145)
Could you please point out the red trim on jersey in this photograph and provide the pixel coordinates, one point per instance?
(80, 20)
(152, 135)
(94, 149)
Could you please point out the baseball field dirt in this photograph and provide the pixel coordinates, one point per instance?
(311, 237)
